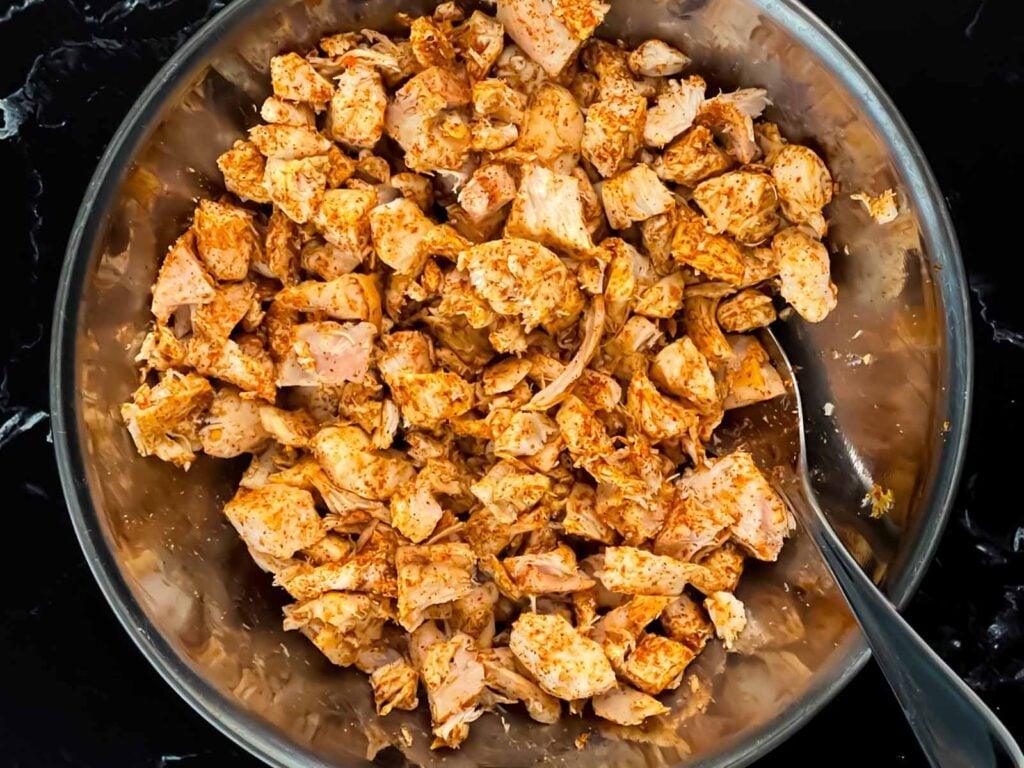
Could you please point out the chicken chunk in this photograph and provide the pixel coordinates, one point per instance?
(619, 629)
(454, 678)
(415, 511)
(347, 455)
(584, 434)
(340, 624)
(686, 622)
(627, 706)
(430, 43)
(509, 488)
(674, 110)
(702, 328)
(371, 569)
(295, 79)
(225, 238)
(804, 185)
(480, 40)
(289, 142)
(730, 117)
(398, 229)
(750, 375)
(582, 520)
(548, 209)
(182, 280)
(564, 663)
(654, 58)
(162, 420)
(735, 486)
(244, 364)
(526, 434)
(291, 428)
(728, 616)
(746, 311)
(243, 167)
(501, 676)
(635, 195)
(276, 519)
(696, 245)
(680, 368)
(427, 400)
(741, 203)
(804, 268)
(232, 426)
(614, 131)
(216, 319)
(497, 100)
(550, 31)
(551, 130)
(349, 297)
(431, 575)
(297, 186)
(548, 572)
(281, 112)
(394, 687)
(691, 529)
(355, 115)
(656, 664)
(344, 220)
(692, 157)
(883, 208)
(488, 190)
(426, 120)
(326, 353)
(636, 572)
(663, 299)
(657, 416)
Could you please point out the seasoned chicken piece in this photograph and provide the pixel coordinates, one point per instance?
(332, 548)
(548, 572)
(292, 428)
(620, 628)
(741, 203)
(627, 706)
(637, 336)
(804, 185)
(431, 575)
(636, 572)
(598, 391)
(427, 400)
(804, 269)
(297, 186)
(750, 375)
(371, 569)
(394, 686)
(414, 187)
(503, 376)
(613, 132)
(295, 79)
(350, 297)
(276, 519)
(728, 616)
(430, 43)
(398, 228)
(564, 663)
(526, 434)
(473, 614)
(243, 167)
(355, 115)
(496, 100)
(691, 529)
(182, 280)
(734, 485)
(415, 511)
(289, 142)
(281, 112)
(342, 625)
(659, 417)
(653, 58)
(454, 679)
(723, 568)
(347, 455)
(746, 311)
(509, 488)
(488, 190)
(216, 319)
(326, 353)
(686, 622)
(635, 195)
(621, 502)
(584, 434)
(730, 116)
(657, 664)
(883, 208)
(161, 350)
(425, 119)
(550, 31)
(225, 238)
(702, 328)
(162, 420)
(696, 244)
(344, 220)
(340, 168)
(548, 209)
(479, 40)
(518, 278)
(232, 426)
(551, 131)
(663, 299)
(489, 136)
(674, 110)
(247, 366)
(501, 676)
(405, 352)
(692, 157)
(681, 369)
(582, 520)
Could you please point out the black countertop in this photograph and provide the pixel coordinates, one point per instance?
(75, 691)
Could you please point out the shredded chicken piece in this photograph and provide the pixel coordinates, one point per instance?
(657, 664)
(882, 208)
(804, 268)
(276, 519)
(243, 167)
(636, 572)
(565, 664)
(728, 616)
(295, 79)
(548, 209)
(804, 185)
(692, 157)
(635, 195)
(550, 31)
(627, 706)
(741, 203)
(355, 115)
(614, 131)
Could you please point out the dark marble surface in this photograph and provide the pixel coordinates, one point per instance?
(74, 691)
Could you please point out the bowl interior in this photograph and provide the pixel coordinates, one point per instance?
(893, 361)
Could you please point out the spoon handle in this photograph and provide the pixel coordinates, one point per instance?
(954, 727)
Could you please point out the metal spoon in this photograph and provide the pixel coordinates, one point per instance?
(954, 727)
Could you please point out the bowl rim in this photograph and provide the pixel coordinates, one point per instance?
(263, 739)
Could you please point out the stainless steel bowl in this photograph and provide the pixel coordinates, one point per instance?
(894, 361)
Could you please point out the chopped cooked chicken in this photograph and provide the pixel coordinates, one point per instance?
(243, 167)
(276, 519)
(741, 203)
(431, 575)
(746, 311)
(804, 185)
(735, 486)
(548, 209)
(355, 115)
(692, 157)
(728, 616)
(627, 706)
(510, 497)
(804, 268)
(634, 195)
(657, 664)
(295, 79)
(488, 190)
(882, 208)
(562, 661)
(225, 238)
